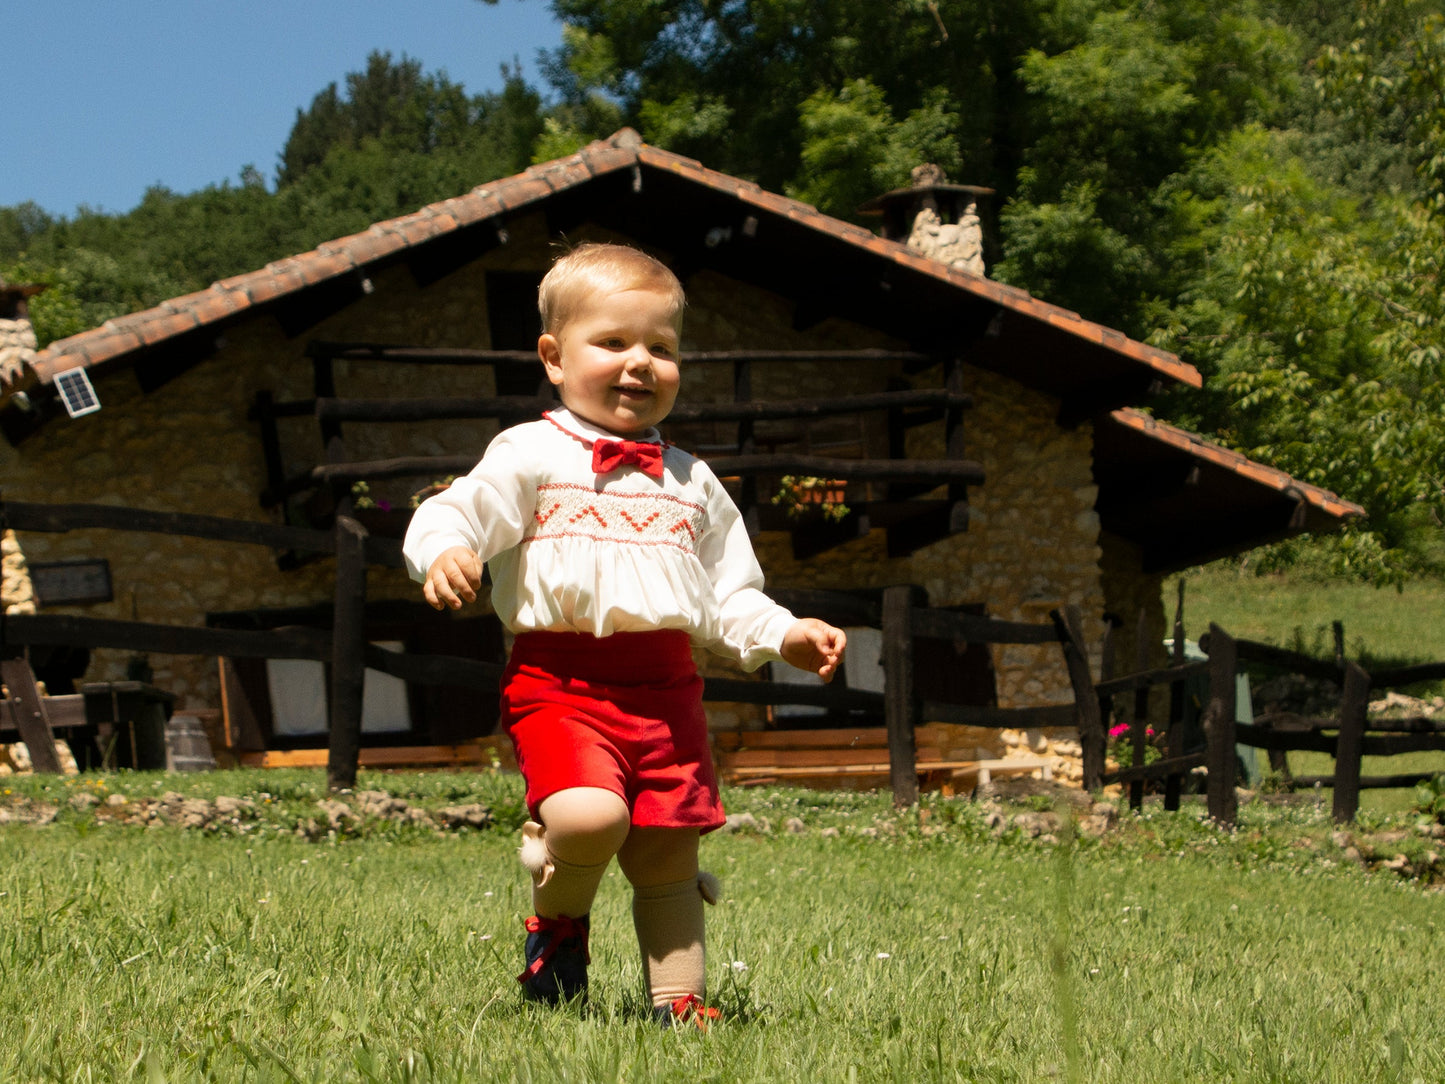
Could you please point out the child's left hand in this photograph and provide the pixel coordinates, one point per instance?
(814, 645)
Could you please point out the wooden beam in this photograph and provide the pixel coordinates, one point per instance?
(348, 663)
(382, 756)
(1219, 727)
(419, 355)
(902, 706)
(436, 409)
(27, 709)
(1354, 705)
(1069, 626)
(782, 409)
(937, 471)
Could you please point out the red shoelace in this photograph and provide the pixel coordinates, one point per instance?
(690, 1007)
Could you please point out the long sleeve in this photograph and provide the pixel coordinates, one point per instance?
(752, 625)
(486, 511)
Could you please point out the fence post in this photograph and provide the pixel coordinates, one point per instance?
(28, 710)
(1219, 719)
(348, 664)
(1354, 702)
(1174, 735)
(1068, 624)
(902, 708)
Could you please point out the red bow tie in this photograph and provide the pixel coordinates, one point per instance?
(608, 455)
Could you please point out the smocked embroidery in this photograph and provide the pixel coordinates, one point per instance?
(567, 510)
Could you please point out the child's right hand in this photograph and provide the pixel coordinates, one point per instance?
(453, 579)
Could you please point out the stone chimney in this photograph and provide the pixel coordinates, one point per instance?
(17, 339)
(935, 218)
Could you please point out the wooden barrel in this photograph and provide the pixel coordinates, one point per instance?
(187, 747)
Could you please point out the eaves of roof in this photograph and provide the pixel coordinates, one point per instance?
(1237, 463)
(240, 296)
(1185, 501)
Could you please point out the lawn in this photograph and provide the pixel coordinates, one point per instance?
(1381, 624)
(854, 943)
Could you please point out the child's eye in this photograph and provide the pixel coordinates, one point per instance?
(665, 350)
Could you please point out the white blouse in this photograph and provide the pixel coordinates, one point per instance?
(573, 551)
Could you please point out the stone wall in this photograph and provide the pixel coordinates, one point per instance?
(1033, 541)
(17, 349)
(17, 596)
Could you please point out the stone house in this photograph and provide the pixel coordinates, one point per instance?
(1084, 500)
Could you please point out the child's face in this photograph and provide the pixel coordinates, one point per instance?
(615, 361)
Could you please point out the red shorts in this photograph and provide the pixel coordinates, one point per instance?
(620, 712)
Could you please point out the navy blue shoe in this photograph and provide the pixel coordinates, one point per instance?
(557, 959)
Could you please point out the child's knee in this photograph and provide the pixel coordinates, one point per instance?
(585, 824)
(653, 856)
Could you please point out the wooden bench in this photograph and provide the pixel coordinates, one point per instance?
(854, 758)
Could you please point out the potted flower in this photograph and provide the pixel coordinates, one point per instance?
(805, 496)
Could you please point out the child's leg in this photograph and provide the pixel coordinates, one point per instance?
(582, 828)
(567, 854)
(667, 911)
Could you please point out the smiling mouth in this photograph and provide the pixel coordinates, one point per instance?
(638, 391)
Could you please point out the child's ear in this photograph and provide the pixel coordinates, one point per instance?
(550, 351)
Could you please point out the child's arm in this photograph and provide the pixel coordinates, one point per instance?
(453, 578)
(810, 644)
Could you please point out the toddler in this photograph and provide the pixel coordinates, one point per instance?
(610, 553)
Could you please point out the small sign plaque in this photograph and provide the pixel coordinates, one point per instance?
(69, 583)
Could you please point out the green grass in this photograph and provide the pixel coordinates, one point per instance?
(1381, 625)
(870, 946)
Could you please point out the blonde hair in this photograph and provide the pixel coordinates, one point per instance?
(596, 266)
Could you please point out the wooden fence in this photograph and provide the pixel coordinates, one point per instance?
(901, 613)
(1348, 738)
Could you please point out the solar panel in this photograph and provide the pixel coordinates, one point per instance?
(77, 393)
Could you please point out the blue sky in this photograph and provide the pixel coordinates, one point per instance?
(105, 98)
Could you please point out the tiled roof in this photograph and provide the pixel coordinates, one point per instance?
(242, 294)
(1236, 463)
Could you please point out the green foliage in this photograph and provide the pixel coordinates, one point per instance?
(1430, 799)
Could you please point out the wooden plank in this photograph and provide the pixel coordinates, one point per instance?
(901, 702)
(1408, 675)
(875, 737)
(27, 708)
(1092, 738)
(376, 757)
(62, 711)
(937, 471)
(1263, 737)
(786, 409)
(1219, 727)
(433, 409)
(24, 516)
(1293, 661)
(834, 696)
(999, 718)
(1174, 737)
(1145, 679)
(348, 660)
(802, 758)
(1368, 782)
(421, 355)
(819, 770)
(1167, 766)
(979, 629)
(139, 636)
(1354, 704)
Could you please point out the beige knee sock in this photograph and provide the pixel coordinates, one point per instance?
(559, 887)
(669, 922)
